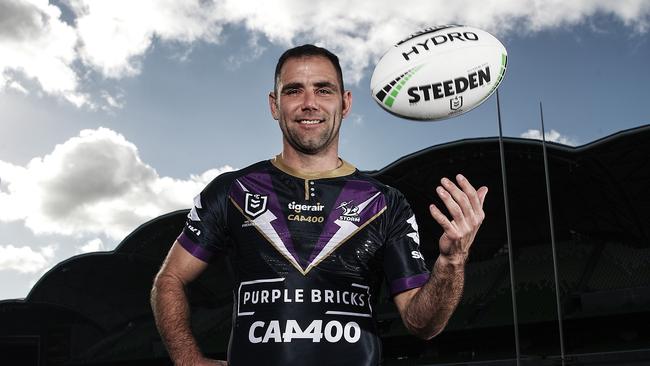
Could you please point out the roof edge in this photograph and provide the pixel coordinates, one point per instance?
(521, 140)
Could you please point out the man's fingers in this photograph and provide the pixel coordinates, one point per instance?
(482, 192)
(469, 190)
(440, 218)
(452, 205)
(460, 198)
(465, 206)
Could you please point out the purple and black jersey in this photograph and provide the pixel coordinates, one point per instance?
(309, 254)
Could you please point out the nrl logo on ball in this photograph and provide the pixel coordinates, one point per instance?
(455, 103)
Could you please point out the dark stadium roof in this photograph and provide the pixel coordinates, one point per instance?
(599, 190)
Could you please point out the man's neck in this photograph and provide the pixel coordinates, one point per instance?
(311, 163)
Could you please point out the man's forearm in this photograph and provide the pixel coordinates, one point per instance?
(172, 314)
(431, 307)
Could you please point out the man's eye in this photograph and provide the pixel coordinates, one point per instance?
(324, 91)
(291, 91)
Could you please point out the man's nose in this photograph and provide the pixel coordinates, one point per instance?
(309, 101)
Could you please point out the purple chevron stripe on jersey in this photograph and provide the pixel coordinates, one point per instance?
(194, 248)
(355, 193)
(407, 283)
(260, 183)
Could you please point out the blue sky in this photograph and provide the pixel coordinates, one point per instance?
(115, 113)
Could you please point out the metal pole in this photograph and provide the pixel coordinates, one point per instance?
(550, 220)
(507, 212)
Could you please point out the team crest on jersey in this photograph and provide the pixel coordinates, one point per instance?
(350, 211)
(255, 204)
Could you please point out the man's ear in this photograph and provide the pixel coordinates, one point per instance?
(347, 103)
(273, 104)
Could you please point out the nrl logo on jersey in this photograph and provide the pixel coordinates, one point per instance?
(350, 211)
(255, 204)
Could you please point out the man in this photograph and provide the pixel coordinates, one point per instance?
(311, 239)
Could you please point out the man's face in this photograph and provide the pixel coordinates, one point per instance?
(309, 104)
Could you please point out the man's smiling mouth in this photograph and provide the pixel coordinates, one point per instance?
(309, 121)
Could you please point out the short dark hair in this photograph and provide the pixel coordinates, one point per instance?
(307, 50)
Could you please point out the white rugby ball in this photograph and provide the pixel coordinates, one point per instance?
(439, 72)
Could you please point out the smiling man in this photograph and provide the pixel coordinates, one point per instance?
(310, 119)
(311, 239)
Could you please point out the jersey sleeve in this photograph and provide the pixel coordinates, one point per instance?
(205, 233)
(404, 265)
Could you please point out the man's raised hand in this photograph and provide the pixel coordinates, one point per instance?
(465, 205)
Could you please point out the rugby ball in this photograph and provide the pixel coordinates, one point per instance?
(439, 72)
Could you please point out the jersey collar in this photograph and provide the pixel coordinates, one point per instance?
(342, 170)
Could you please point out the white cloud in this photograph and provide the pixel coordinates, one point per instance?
(35, 43)
(552, 136)
(17, 87)
(94, 245)
(113, 37)
(25, 259)
(92, 184)
(361, 31)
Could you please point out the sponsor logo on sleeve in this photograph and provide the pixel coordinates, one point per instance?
(194, 215)
(415, 235)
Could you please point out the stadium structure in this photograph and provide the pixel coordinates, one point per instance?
(93, 309)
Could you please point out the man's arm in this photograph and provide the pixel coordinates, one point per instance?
(426, 310)
(171, 309)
